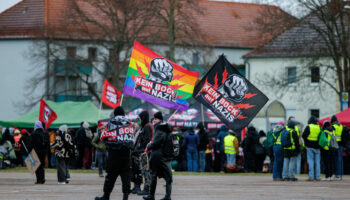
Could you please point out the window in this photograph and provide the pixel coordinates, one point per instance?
(315, 75)
(315, 113)
(292, 75)
(92, 53)
(195, 58)
(71, 52)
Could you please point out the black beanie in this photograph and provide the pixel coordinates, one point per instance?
(334, 119)
(158, 115)
(119, 111)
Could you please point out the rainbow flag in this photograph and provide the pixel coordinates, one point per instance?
(158, 80)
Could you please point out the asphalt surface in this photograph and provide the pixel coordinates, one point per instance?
(20, 186)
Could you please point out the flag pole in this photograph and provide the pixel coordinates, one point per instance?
(202, 114)
(121, 100)
(171, 116)
(99, 110)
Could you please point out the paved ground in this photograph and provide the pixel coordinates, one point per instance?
(20, 186)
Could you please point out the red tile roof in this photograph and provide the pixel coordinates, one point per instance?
(223, 24)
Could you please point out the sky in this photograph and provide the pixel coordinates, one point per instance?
(4, 4)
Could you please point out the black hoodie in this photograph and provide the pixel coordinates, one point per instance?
(308, 143)
(203, 137)
(146, 133)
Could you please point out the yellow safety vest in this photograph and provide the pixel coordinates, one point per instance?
(276, 139)
(315, 130)
(329, 137)
(338, 130)
(229, 146)
(291, 138)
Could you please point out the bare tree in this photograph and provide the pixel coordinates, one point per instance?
(319, 40)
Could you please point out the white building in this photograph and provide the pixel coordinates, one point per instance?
(23, 25)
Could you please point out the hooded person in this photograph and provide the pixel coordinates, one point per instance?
(64, 149)
(26, 144)
(119, 140)
(191, 143)
(220, 147)
(311, 136)
(341, 134)
(84, 139)
(41, 144)
(250, 144)
(327, 152)
(203, 142)
(144, 137)
(160, 160)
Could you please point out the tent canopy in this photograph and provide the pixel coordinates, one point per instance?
(343, 118)
(68, 112)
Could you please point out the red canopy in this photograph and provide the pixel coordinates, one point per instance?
(343, 118)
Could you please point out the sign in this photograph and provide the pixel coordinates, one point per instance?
(157, 80)
(110, 95)
(344, 101)
(46, 114)
(231, 97)
(32, 161)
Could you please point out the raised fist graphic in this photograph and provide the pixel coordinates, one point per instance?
(161, 70)
(234, 88)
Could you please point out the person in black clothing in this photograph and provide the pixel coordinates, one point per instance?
(249, 145)
(141, 142)
(26, 144)
(160, 162)
(203, 142)
(119, 140)
(41, 144)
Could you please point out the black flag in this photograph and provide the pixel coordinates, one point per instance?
(229, 95)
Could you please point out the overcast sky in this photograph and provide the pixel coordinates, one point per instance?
(288, 5)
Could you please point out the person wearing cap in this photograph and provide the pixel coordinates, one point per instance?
(26, 144)
(119, 139)
(340, 133)
(157, 119)
(64, 149)
(101, 152)
(41, 144)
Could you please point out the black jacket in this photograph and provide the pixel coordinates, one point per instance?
(26, 139)
(203, 138)
(306, 133)
(40, 141)
(251, 140)
(158, 143)
(144, 138)
(81, 139)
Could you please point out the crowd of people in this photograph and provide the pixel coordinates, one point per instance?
(145, 149)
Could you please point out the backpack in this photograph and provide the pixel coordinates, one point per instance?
(171, 146)
(268, 143)
(323, 140)
(333, 144)
(285, 138)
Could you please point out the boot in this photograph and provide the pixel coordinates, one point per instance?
(104, 197)
(136, 189)
(126, 196)
(148, 197)
(144, 192)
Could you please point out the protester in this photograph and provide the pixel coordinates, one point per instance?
(101, 152)
(180, 160)
(41, 144)
(64, 149)
(145, 136)
(84, 138)
(250, 144)
(231, 147)
(339, 132)
(220, 147)
(157, 119)
(209, 165)
(191, 143)
(290, 153)
(26, 144)
(203, 142)
(52, 158)
(260, 151)
(327, 153)
(119, 148)
(160, 160)
(17, 146)
(278, 152)
(310, 135)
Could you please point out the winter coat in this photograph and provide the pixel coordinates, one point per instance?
(98, 144)
(191, 142)
(63, 145)
(292, 152)
(40, 141)
(220, 138)
(251, 141)
(203, 138)
(157, 144)
(306, 133)
(83, 138)
(145, 135)
(26, 139)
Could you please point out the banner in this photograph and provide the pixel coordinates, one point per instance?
(46, 114)
(229, 95)
(110, 95)
(157, 80)
(32, 161)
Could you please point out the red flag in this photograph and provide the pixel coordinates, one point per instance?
(46, 114)
(110, 95)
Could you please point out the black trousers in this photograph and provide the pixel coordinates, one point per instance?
(136, 171)
(62, 169)
(118, 163)
(162, 169)
(328, 161)
(40, 172)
